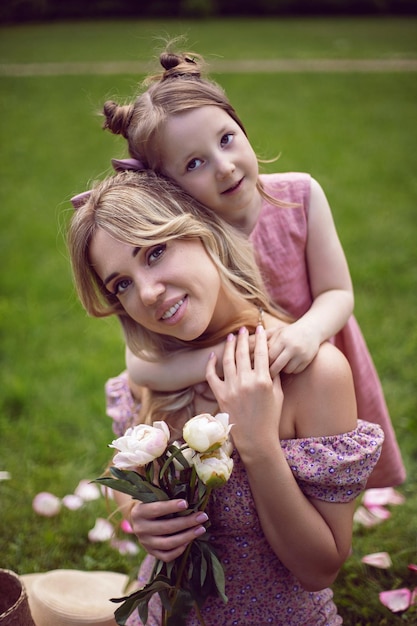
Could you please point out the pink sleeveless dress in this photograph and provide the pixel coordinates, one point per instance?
(279, 239)
(260, 589)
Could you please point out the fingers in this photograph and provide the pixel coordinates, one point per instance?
(261, 356)
(166, 538)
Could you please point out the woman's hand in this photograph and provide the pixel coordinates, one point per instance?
(252, 399)
(165, 539)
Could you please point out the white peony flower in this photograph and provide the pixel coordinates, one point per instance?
(205, 432)
(140, 445)
(213, 469)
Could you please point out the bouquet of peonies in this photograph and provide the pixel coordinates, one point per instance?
(190, 471)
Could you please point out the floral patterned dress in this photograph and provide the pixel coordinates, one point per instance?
(260, 589)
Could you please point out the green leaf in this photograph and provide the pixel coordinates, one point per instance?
(139, 599)
(218, 575)
(134, 485)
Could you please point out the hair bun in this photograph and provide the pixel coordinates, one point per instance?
(117, 117)
(179, 65)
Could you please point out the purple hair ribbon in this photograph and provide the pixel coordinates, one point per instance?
(124, 165)
(80, 199)
(119, 165)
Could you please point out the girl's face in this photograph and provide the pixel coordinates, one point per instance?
(206, 152)
(170, 288)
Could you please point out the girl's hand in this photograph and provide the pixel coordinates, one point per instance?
(291, 348)
(248, 393)
(165, 539)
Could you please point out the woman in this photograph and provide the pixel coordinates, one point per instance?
(179, 278)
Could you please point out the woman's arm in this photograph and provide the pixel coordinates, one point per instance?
(294, 347)
(176, 371)
(312, 539)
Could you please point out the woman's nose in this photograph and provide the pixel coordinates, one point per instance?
(150, 291)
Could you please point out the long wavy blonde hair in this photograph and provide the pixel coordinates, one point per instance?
(141, 209)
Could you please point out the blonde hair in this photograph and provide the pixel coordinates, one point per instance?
(181, 87)
(141, 209)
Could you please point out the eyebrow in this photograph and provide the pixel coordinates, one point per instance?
(109, 278)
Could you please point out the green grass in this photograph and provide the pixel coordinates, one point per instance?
(355, 133)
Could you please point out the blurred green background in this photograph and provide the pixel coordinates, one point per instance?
(355, 131)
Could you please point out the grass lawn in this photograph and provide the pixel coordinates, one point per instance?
(355, 133)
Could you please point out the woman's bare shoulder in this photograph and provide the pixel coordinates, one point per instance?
(324, 396)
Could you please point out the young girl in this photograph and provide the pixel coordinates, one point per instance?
(178, 276)
(184, 127)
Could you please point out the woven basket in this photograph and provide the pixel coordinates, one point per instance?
(14, 605)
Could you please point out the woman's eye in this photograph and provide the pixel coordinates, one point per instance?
(156, 252)
(193, 164)
(121, 286)
(226, 139)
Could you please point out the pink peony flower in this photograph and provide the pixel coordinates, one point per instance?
(46, 504)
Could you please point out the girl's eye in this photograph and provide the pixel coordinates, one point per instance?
(193, 164)
(226, 139)
(155, 252)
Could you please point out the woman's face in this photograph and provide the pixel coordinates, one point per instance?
(170, 288)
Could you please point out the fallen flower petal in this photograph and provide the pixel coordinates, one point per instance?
(126, 527)
(46, 504)
(87, 490)
(72, 502)
(412, 567)
(365, 518)
(102, 531)
(396, 600)
(378, 559)
(380, 512)
(381, 497)
(5, 476)
(124, 546)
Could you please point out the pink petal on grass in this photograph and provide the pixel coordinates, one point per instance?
(365, 518)
(379, 511)
(126, 527)
(412, 567)
(125, 546)
(378, 559)
(46, 504)
(382, 497)
(396, 600)
(102, 531)
(87, 490)
(72, 502)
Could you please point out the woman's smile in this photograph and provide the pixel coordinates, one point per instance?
(172, 288)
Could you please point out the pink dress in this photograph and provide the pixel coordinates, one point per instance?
(260, 589)
(279, 239)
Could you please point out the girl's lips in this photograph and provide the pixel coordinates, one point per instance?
(233, 188)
